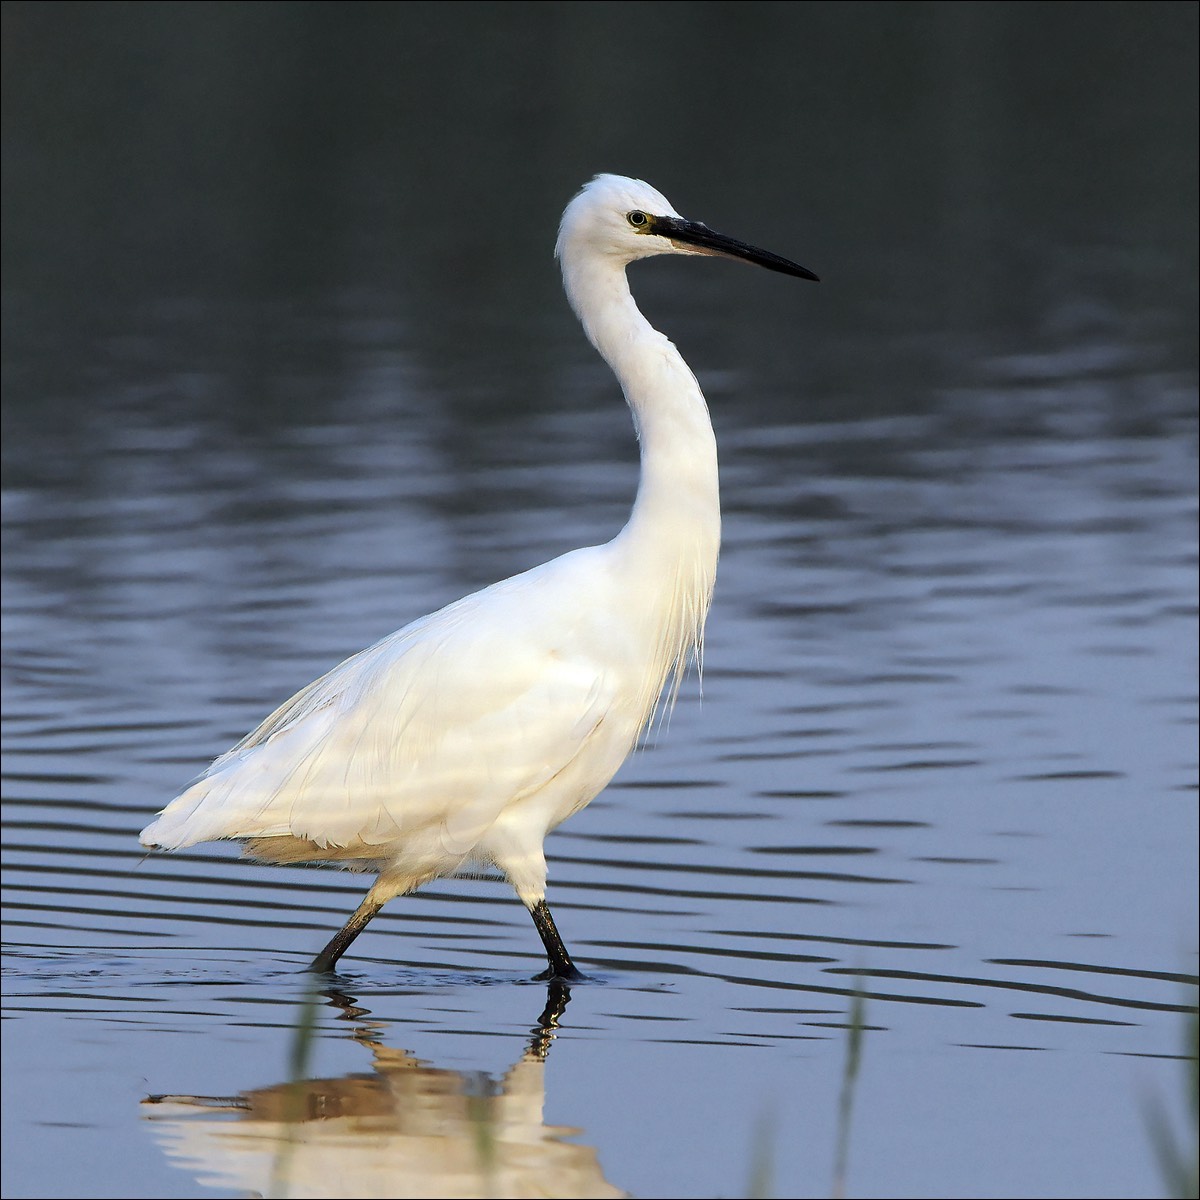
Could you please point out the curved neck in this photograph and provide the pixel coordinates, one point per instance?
(670, 544)
(679, 453)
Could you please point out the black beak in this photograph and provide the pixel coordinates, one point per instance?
(707, 241)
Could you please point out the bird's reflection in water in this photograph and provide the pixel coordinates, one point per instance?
(404, 1129)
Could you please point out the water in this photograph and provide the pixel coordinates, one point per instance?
(266, 401)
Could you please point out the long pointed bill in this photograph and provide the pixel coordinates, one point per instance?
(699, 239)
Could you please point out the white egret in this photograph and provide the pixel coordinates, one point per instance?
(471, 733)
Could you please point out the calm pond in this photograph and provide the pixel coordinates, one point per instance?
(287, 364)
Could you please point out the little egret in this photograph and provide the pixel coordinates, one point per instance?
(468, 735)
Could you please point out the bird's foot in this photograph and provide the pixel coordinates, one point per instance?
(561, 973)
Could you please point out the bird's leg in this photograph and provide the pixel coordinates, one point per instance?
(340, 942)
(561, 966)
(558, 995)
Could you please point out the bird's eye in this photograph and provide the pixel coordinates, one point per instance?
(638, 219)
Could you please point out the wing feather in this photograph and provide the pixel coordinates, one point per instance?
(437, 727)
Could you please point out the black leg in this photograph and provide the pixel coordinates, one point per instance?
(561, 966)
(558, 995)
(340, 942)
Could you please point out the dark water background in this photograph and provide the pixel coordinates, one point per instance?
(286, 364)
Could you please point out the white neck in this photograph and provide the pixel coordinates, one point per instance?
(669, 546)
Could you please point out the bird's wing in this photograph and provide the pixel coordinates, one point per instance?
(442, 725)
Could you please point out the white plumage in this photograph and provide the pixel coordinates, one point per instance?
(472, 732)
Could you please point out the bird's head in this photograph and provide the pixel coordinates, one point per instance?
(617, 218)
